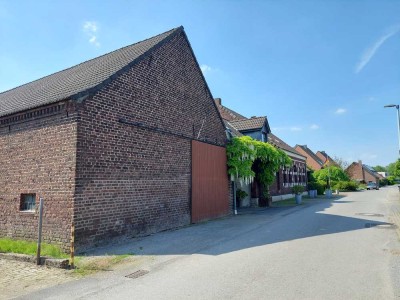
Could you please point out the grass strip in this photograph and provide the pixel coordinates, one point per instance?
(8, 245)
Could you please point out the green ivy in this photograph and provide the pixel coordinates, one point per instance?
(243, 152)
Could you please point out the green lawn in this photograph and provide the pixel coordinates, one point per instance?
(84, 265)
(25, 247)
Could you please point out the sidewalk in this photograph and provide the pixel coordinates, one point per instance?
(197, 238)
(18, 279)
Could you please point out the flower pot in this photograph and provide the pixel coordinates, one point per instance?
(245, 202)
(298, 198)
(328, 193)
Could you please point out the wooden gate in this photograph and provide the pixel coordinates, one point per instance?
(210, 194)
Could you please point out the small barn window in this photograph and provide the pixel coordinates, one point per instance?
(28, 202)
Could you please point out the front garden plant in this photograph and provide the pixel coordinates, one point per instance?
(250, 160)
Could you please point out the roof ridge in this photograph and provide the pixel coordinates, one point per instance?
(286, 147)
(311, 153)
(248, 119)
(231, 112)
(86, 61)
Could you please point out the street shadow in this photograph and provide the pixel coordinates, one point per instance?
(235, 233)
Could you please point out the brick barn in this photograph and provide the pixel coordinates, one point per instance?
(130, 142)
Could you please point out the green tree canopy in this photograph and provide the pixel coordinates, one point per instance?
(397, 169)
(391, 168)
(335, 174)
(380, 169)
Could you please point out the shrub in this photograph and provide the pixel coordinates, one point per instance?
(240, 194)
(298, 189)
(383, 182)
(333, 173)
(391, 180)
(346, 186)
(312, 186)
(320, 188)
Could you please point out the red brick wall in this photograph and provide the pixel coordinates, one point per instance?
(310, 161)
(38, 155)
(369, 177)
(355, 172)
(135, 180)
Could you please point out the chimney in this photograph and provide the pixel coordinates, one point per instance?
(253, 117)
(360, 162)
(218, 101)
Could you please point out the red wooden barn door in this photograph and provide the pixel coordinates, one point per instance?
(210, 194)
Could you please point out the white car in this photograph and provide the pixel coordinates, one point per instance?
(372, 186)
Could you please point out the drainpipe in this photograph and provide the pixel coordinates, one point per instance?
(234, 198)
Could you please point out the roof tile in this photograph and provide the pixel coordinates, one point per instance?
(249, 124)
(80, 78)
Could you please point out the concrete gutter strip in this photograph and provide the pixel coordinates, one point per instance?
(50, 262)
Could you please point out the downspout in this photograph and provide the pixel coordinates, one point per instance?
(234, 198)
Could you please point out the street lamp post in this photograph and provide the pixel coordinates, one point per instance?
(398, 121)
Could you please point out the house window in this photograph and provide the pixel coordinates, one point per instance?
(28, 202)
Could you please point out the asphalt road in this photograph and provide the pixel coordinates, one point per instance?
(341, 249)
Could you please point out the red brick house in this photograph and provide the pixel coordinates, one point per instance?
(313, 161)
(362, 173)
(259, 129)
(326, 159)
(130, 142)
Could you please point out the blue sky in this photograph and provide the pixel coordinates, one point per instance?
(321, 71)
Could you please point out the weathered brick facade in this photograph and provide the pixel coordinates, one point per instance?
(312, 160)
(120, 161)
(38, 155)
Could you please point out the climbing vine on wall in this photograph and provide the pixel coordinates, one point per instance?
(243, 152)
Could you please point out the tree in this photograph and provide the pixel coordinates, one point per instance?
(343, 164)
(397, 169)
(391, 168)
(380, 169)
(332, 173)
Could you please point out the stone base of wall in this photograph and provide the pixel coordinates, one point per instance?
(50, 262)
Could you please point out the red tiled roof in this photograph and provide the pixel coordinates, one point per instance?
(77, 80)
(274, 140)
(249, 124)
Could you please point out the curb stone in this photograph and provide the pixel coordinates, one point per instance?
(50, 262)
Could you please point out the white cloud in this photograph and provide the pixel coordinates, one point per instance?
(314, 127)
(91, 29)
(295, 128)
(340, 111)
(205, 69)
(370, 52)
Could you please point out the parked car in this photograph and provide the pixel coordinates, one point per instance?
(372, 186)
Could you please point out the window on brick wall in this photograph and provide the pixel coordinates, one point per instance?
(28, 202)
